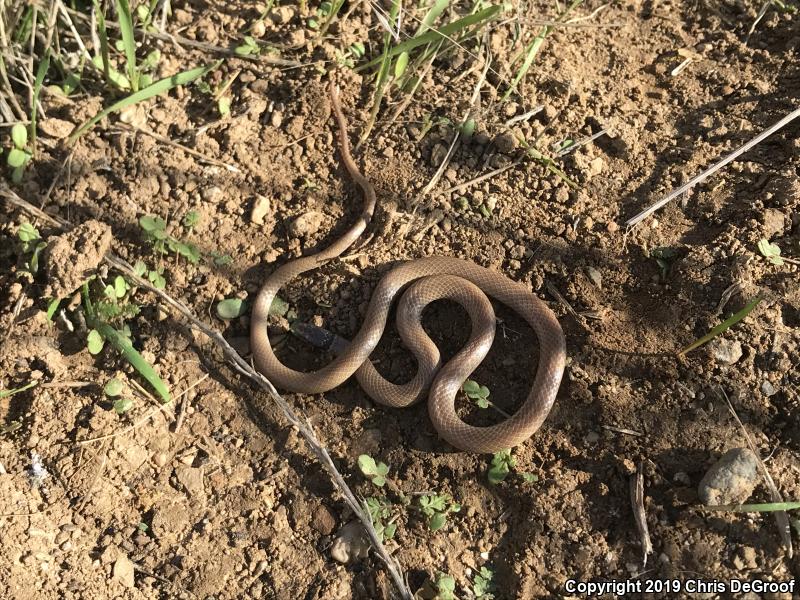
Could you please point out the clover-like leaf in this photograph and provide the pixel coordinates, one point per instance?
(152, 224)
(113, 387)
(19, 135)
(94, 342)
(122, 405)
(771, 252)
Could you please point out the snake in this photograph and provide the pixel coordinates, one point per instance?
(418, 283)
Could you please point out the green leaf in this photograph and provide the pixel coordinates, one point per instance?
(159, 87)
(771, 251)
(139, 269)
(120, 286)
(401, 64)
(34, 262)
(157, 279)
(94, 342)
(482, 403)
(122, 405)
(367, 464)
(17, 158)
(468, 128)
(231, 308)
(17, 174)
(125, 347)
(379, 480)
(498, 473)
(52, 307)
(191, 219)
(471, 388)
(113, 387)
(19, 135)
(389, 531)
(437, 521)
(151, 224)
(530, 477)
(224, 106)
(279, 307)
(27, 232)
(128, 41)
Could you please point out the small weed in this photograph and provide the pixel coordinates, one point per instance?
(155, 229)
(113, 389)
(154, 276)
(502, 463)
(18, 155)
(31, 246)
(477, 393)
(445, 587)
(381, 511)
(375, 472)
(249, 47)
(664, 257)
(436, 507)
(191, 219)
(772, 252)
(482, 585)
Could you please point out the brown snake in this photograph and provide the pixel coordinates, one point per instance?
(430, 279)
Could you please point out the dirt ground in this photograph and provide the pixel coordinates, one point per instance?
(229, 503)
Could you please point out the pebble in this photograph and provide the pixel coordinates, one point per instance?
(261, 207)
(774, 222)
(726, 352)
(505, 143)
(212, 194)
(323, 520)
(351, 543)
(280, 15)
(123, 571)
(767, 388)
(731, 480)
(306, 224)
(595, 276)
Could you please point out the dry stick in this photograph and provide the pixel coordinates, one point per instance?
(672, 195)
(637, 502)
(781, 518)
(297, 419)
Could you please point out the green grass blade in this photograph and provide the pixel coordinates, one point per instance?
(159, 87)
(433, 35)
(128, 41)
(764, 507)
(433, 13)
(383, 75)
(52, 307)
(533, 50)
(7, 393)
(41, 71)
(103, 34)
(724, 326)
(125, 347)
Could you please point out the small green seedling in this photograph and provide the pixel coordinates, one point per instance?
(436, 507)
(154, 276)
(221, 260)
(18, 155)
(664, 258)
(155, 229)
(249, 47)
(8, 393)
(375, 472)
(482, 585)
(113, 389)
(477, 393)
(445, 587)
(191, 219)
(354, 52)
(502, 463)
(772, 252)
(32, 246)
(381, 511)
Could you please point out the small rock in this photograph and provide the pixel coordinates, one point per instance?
(123, 571)
(726, 352)
(212, 194)
(767, 388)
(596, 167)
(192, 479)
(505, 143)
(595, 276)
(437, 154)
(351, 543)
(134, 115)
(774, 222)
(323, 520)
(306, 224)
(56, 128)
(261, 207)
(280, 15)
(731, 480)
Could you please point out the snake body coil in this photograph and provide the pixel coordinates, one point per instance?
(427, 279)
